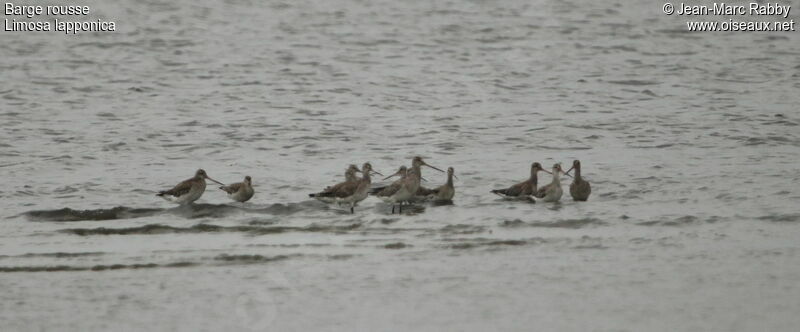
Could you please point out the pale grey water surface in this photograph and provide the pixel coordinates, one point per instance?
(690, 140)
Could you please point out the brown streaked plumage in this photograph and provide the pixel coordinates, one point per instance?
(408, 185)
(580, 189)
(524, 188)
(341, 187)
(390, 189)
(393, 187)
(349, 192)
(349, 176)
(444, 192)
(240, 191)
(424, 192)
(188, 190)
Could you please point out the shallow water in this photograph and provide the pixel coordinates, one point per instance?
(690, 141)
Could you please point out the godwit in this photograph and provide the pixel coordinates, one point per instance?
(406, 187)
(392, 187)
(386, 191)
(189, 190)
(444, 192)
(349, 176)
(240, 191)
(580, 189)
(350, 192)
(542, 191)
(553, 192)
(524, 188)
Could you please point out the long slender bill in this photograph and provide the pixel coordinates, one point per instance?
(426, 164)
(215, 181)
(393, 175)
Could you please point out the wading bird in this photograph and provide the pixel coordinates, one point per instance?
(240, 191)
(404, 189)
(443, 193)
(580, 189)
(350, 192)
(553, 191)
(188, 190)
(525, 188)
(349, 176)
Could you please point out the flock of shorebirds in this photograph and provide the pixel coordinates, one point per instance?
(406, 190)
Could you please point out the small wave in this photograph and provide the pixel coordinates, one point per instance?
(658, 146)
(55, 254)
(781, 217)
(285, 209)
(482, 242)
(513, 223)
(207, 228)
(250, 259)
(563, 223)
(634, 82)
(194, 211)
(68, 268)
(67, 214)
(221, 260)
(590, 246)
(103, 45)
(340, 257)
(462, 229)
(396, 245)
(680, 221)
(191, 211)
(564, 147)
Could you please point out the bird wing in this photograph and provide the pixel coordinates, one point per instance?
(338, 190)
(437, 190)
(522, 188)
(542, 191)
(346, 189)
(391, 189)
(180, 189)
(230, 189)
(444, 192)
(422, 191)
